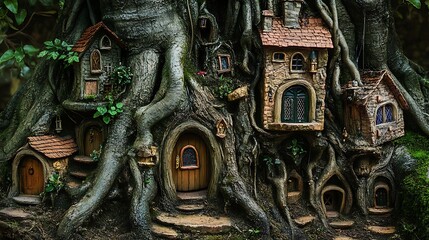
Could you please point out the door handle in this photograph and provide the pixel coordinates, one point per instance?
(31, 171)
(177, 161)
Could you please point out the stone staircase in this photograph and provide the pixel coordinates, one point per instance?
(80, 167)
(189, 221)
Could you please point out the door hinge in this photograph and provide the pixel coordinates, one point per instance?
(177, 161)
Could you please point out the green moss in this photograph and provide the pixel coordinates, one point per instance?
(415, 189)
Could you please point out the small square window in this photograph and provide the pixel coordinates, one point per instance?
(279, 57)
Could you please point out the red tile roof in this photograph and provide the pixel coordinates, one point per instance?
(53, 146)
(87, 36)
(312, 34)
(371, 80)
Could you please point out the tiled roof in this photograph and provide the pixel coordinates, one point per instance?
(311, 34)
(53, 146)
(87, 36)
(371, 80)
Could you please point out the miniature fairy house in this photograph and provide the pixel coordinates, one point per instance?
(375, 110)
(35, 161)
(99, 52)
(296, 55)
(294, 187)
(336, 196)
(381, 194)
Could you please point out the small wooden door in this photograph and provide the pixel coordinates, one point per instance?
(93, 139)
(381, 198)
(31, 178)
(190, 163)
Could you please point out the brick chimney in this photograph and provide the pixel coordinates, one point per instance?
(291, 9)
(267, 20)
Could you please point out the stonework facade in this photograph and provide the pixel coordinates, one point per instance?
(374, 111)
(293, 92)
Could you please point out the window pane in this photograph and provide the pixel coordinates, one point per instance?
(189, 157)
(224, 63)
(295, 105)
(389, 112)
(279, 56)
(300, 109)
(379, 117)
(287, 108)
(297, 62)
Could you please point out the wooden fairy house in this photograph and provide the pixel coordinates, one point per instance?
(35, 161)
(374, 111)
(99, 52)
(381, 194)
(336, 197)
(296, 56)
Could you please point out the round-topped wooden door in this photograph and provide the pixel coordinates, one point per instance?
(93, 139)
(31, 179)
(190, 163)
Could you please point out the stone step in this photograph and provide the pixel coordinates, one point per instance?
(341, 224)
(84, 159)
(79, 174)
(380, 211)
(190, 208)
(14, 213)
(196, 223)
(304, 220)
(28, 199)
(382, 230)
(197, 195)
(343, 238)
(164, 232)
(293, 197)
(332, 214)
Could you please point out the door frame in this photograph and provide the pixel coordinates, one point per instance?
(169, 142)
(25, 152)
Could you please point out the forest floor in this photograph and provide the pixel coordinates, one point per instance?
(111, 221)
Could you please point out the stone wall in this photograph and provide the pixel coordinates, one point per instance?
(278, 74)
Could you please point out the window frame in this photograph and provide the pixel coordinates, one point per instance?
(104, 47)
(228, 57)
(91, 56)
(197, 165)
(292, 59)
(382, 107)
(273, 59)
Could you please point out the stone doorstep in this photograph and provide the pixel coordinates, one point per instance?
(198, 195)
(27, 199)
(79, 174)
(380, 211)
(343, 238)
(14, 213)
(382, 230)
(164, 232)
(303, 221)
(196, 223)
(190, 207)
(342, 224)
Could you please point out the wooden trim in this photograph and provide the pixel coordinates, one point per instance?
(96, 51)
(304, 60)
(103, 47)
(228, 56)
(196, 155)
(278, 60)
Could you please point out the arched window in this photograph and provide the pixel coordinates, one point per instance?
(297, 62)
(385, 114)
(279, 57)
(295, 105)
(95, 60)
(105, 43)
(189, 157)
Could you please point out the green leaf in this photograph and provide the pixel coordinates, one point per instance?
(57, 42)
(12, 5)
(30, 50)
(102, 110)
(119, 105)
(112, 112)
(20, 17)
(416, 3)
(96, 114)
(42, 54)
(106, 119)
(49, 188)
(19, 54)
(8, 55)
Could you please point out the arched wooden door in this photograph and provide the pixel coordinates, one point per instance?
(93, 139)
(190, 163)
(31, 178)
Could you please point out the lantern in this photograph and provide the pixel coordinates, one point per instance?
(58, 124)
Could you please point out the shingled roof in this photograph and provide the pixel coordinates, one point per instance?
(88, 35)
(53, 146)
(311, 34)
(371, 80)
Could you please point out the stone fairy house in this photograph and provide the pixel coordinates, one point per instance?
(375, 110)
(99, 53)
(296, 56)
(34, 163)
